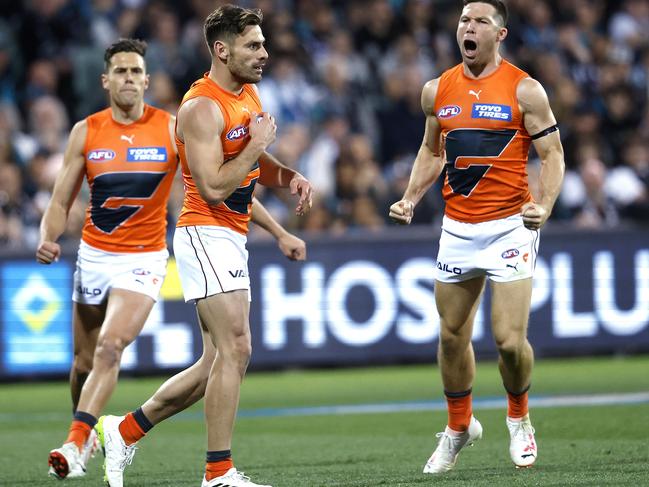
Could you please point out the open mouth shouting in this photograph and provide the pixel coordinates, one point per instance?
(470, 48)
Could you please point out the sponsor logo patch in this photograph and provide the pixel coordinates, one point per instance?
(237, 132)
(146, 154)
(238, 273)
(86, 291)
(141, 272)
(101, 155)
(447, 268)
(492, 111)
(448, 111)
(510, 254)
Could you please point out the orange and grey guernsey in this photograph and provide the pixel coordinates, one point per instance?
(485, 144)
(235, 211)
(130, 169)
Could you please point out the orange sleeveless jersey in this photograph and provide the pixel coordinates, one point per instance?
(129, 169)
(485, 144)
(234, 212)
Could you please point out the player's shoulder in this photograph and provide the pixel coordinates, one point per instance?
(79, 132)
(199, 106)
(200, 113)
(530, 92)
(429, 94)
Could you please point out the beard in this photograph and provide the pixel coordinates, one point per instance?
(241, 73)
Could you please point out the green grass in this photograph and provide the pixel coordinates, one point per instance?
(583, 446)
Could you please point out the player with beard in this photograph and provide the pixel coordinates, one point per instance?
(481, 117)
(222, 135)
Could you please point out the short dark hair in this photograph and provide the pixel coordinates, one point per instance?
(229, 21)
(124, 45)
(499, 5)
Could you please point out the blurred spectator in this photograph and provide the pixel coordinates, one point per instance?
(588, 194)
(15, 145)
(402, 120)
(344, 81)
(10, 63)
(48, 123)
(287, 93)
(18, 220)
(631, 180)
(166, 53)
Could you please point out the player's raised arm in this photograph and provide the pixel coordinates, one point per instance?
(291, 246)
(542, 126)
(428, 164)
(65, 191)
(200, 123)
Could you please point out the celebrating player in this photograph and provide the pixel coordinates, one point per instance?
(481, 117)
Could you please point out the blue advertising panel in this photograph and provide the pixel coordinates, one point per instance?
(36, 318)
(355, 301)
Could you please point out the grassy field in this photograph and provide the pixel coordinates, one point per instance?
(578, 445)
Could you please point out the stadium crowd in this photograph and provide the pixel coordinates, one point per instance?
(343, 80)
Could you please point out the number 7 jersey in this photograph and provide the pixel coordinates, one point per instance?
(485, 144)
(130, 169)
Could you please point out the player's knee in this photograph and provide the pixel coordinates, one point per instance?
(82, 363)
(510, 346)
(241, 351)
(453, 338)
(109, 351)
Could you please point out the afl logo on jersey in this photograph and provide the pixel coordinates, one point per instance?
(101, 155)
(237, 132)
(509, 254)
(449, 111)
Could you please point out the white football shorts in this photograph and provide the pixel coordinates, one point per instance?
(503, 250)
(211, 260)
(98, 271)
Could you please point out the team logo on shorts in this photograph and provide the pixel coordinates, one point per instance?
(101, 155)
(448, 111)
(509, 254)
(141, 272)
(237, 132)
(492, 111)
(146, 154)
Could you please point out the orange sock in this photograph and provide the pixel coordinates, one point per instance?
(130, 430)
(459, 410)
(78, 433)
(216, 469)
(517, 405)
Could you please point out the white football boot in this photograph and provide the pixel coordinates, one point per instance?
(522, 447)
(65, 462)
(117, 453)
(231, 478)
(445, 455)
